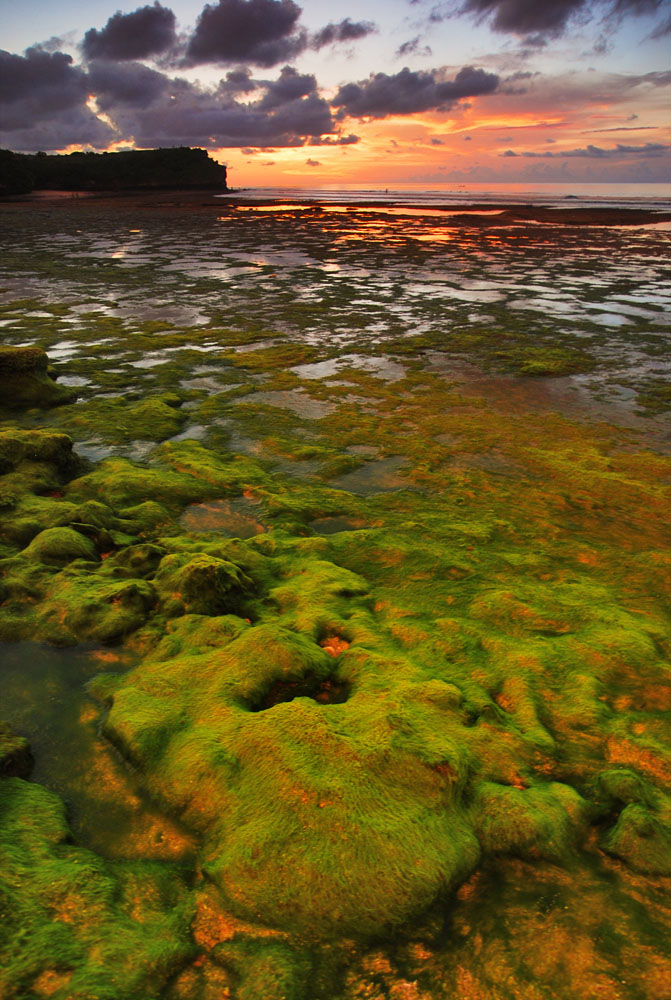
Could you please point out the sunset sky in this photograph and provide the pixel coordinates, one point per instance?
(367, 93)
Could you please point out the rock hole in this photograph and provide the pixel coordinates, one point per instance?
(325, 691)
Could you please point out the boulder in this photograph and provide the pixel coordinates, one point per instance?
(25, 382)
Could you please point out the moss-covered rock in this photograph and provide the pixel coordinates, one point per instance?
(24, 381)
(152, 419)
(540, 822)
(59, 546)
(265, 968)
(642, 839)
(79, 608)
(37, 446)
(74, 925)
(135, 561)
(200, 584)
(307, 824)
(16, 760)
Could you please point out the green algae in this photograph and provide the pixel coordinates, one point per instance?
(353, 725)
(152, 419)
(59, 546)
(70, 919)
(24, 381)
(16, 760)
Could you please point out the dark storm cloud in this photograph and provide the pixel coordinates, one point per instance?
(539, 18)
(237, 81)
(345, 31)
(524, 17)
(653, 149)
(288, 113)
(264, 32)
(43, 105)
(195, 119)
(148, 31)
(410, 91)
(289, 86)
(76, 127)
(40, 80)
(125, 83)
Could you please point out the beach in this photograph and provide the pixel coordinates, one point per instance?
(334, 580)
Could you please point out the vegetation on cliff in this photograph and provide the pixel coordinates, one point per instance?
(136, 169)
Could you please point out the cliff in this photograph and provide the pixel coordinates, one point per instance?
(177, 167)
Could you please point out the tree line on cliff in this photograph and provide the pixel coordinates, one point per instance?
(176, 167)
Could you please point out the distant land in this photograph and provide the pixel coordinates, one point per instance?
(138, 169)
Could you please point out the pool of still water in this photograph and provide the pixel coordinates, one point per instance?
(44, 698)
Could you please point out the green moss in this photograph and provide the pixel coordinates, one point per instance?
(352, 723)
(148, 518)
(72, 920)
(277, 356)
(201, 584)
(269, 969)
(531, 823)
(153, 419)
(655, 397)
(79, 608)
(16, 760)
(24, 382)
(50, 447)
(59, 546)
(642, 839)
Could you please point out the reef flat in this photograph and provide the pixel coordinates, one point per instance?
(334, 606)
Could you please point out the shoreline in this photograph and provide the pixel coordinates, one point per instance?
(497, 213)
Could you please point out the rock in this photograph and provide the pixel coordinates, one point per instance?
(25, 383)
(79, 608)
(642, 839)
(60, 546)
(50, 447)
(201, 585)
(16, 760)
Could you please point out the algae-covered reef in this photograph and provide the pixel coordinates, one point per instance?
(368, 660)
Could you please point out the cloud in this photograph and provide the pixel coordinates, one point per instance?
(550, 18)
(40, 81)
(650, 149)
(263, 32)
(148, 31)
(125, 83)
(413, 48)
(42, 97)
(524, 17)
(627, 128)
(582, 97)
(345, 31)
(290, 86)
(312, 163)
(409, 91)
(662, 29)
(44, 104)
(237, 81)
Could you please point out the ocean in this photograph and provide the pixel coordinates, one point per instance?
(657, 196)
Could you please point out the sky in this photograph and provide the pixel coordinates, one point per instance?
(369, 93)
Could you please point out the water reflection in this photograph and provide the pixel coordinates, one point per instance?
(334, 276)
(45, 700)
